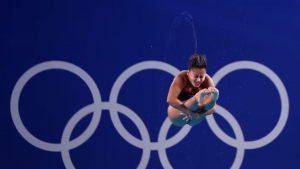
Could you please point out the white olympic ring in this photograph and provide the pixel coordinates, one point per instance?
(114, 107)
(240, 143)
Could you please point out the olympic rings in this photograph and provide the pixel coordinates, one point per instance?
(145, 144)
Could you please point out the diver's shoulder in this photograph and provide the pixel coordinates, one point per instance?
(182, 73)
(208, 76)
(181, 76)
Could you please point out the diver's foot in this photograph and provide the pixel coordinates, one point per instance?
(201, 95)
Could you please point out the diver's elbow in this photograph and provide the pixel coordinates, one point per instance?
(169, 101)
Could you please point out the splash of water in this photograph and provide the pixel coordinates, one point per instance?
(181, 42)
(182, 18)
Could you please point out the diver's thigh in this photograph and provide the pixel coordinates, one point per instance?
(175, 117)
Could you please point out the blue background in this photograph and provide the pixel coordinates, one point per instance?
(106, 37)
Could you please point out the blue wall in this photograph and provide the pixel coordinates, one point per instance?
(84, 83)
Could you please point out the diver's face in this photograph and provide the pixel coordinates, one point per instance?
(196, 76)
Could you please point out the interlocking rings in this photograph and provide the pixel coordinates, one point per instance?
(240, 143)
(162, 143)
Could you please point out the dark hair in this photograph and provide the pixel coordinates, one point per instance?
(197, 61)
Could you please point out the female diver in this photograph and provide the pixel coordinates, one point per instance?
(192, 94)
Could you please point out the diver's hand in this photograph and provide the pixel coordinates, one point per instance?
(187, 117)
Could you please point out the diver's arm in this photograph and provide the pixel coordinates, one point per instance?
(175, 89)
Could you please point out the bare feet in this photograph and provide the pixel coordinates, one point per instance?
(208, 99)
(200, 96)
(215, 92)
